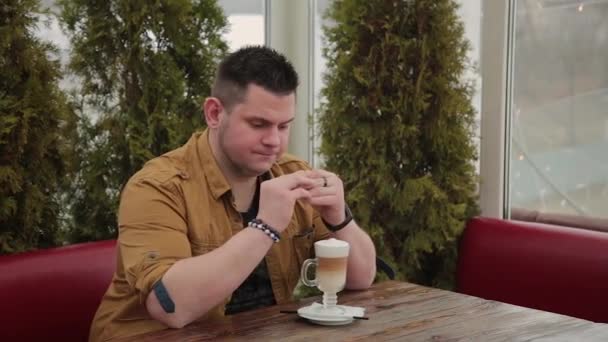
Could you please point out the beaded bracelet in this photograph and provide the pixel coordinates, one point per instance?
(259, 224)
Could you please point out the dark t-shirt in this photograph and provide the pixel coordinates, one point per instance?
(256, 291)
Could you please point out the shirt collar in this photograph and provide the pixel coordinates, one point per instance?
(215, 178)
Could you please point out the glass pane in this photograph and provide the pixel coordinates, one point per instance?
(319, 67)
(246, 25)
(470, 14)
(246, 22)
(559, 132)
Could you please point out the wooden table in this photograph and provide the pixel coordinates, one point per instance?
(397, 311)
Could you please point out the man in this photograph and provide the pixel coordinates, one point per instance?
(186, 247)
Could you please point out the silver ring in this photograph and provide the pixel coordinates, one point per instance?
(325, 182)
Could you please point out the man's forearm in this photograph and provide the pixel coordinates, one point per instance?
(198, 284)
(362, 256)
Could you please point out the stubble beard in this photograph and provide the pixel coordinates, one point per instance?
(236, 168)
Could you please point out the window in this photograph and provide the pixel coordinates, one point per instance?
(559, 120)
(319, 21)
(246, 22)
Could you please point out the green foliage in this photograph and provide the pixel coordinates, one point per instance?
(145, 68)
(302, 291)
(397, 125)
(35, 122)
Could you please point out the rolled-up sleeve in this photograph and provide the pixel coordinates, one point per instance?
(152, 232)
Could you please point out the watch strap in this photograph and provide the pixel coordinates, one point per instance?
(348, 216)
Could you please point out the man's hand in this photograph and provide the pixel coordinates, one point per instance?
(327, 197)
(279, 195)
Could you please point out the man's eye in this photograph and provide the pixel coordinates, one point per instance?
(257, 124)
(283, 127)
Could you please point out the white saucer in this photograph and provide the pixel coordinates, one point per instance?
(338, 315)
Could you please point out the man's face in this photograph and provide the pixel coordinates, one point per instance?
(256, 132)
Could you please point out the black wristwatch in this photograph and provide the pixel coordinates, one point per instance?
(348, 216)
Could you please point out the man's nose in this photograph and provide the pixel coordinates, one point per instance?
(271, 137)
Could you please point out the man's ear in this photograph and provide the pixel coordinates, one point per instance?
(213, 109)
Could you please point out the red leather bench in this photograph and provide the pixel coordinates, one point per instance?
(53, 294)
(547, 267)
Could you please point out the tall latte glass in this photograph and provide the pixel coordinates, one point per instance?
(331, 259)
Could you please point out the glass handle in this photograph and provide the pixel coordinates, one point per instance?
(304, 273)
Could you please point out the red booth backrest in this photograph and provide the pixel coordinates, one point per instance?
(53, 294)
(546, 267)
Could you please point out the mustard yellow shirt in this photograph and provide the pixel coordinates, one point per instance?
(180, 205)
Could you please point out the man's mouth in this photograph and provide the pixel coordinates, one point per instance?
(266, 154)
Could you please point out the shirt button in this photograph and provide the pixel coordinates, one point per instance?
(183, 175)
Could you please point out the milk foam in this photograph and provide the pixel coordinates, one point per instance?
(331, 248)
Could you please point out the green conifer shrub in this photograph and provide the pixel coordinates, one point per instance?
(145, 68)
(397, 124)
(35, 124)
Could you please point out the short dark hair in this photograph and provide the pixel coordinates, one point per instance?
(259, 65)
